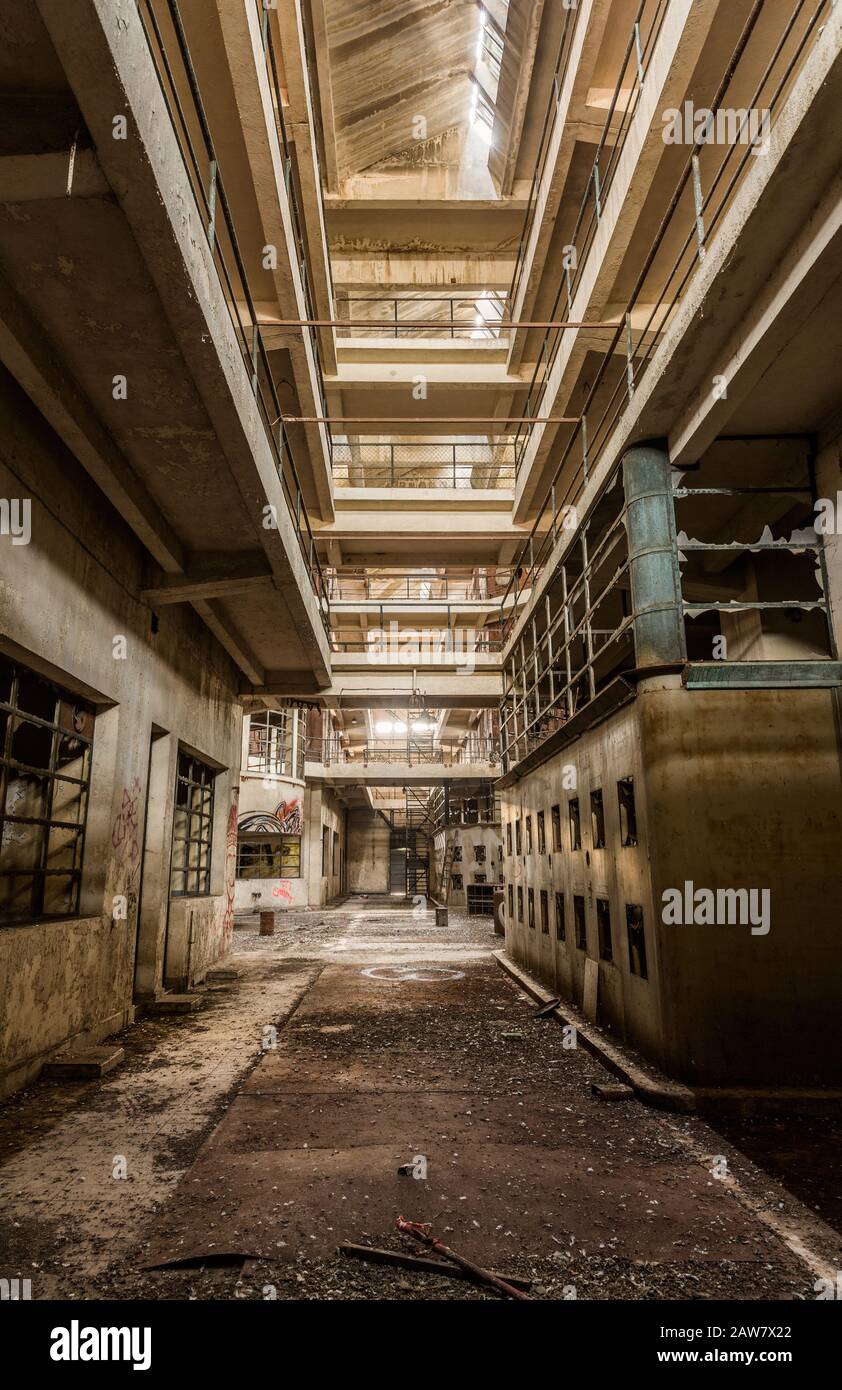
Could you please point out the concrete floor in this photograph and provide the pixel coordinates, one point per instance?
(250, 1154)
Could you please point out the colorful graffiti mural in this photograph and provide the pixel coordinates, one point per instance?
(286, 819)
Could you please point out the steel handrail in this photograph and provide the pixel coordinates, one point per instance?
(545, 527)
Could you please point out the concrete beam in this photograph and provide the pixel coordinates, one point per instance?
(686, 29)
(797, 288)
(39, 371)
(772, 217)
(240, 575)
(228, 636)
(104, 52)
(301, 126)
(246, 61)
(389, 270)
(590, 26)
(33, 178)
(375, 690)
(325, 93)
(387, 774)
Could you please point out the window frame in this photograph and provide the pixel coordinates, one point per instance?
(574, 821)
(15, 716)
(185, 757)
(605, 935)
(580, 936)
(630, 927)
(248, 841)
(560, 916)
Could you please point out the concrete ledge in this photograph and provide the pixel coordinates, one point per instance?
(87, 1064)
(648, 1084)
(175, 1004)
(27, 1071)
(651, 1086)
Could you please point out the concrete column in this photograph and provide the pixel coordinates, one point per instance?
(653, 557)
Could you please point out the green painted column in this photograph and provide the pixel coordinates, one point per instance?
(653, 557)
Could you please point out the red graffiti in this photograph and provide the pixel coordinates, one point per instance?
(282, 890)
(125, 833)
(230, 866)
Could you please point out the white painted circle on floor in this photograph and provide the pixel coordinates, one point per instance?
(422, 974)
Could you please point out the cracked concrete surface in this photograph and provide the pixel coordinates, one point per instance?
(394, 1038)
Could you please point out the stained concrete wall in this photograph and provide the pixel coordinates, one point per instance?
(325, 819)
(466, 839)
(267, 795)
(65, 599)
(368, 852)
(733, 789)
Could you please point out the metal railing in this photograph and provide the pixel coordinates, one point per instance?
(625, 98)
(399, 586)
(292, 196)
(450, 643)
(203, 172)
(409, 752)
(423, 316)
(694, 214)
(582, 637)
(460, 466)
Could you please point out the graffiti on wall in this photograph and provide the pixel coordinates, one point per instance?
(286, 819)
(125, 832)
(230, 865)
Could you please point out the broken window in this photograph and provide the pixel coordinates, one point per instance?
(457, 854)
(637, 940)
(517, 837)
(597, 819)
(192, 827)
(479, 853)
(560, 928)
(456, 882)
(336, 851)
(628, 814)
(511, 903)
(603, 923)
(520, 904)
(575, 823)
(542, 838)
(530, 902)
(270, 743)
(750, 554)
(579, 923)
(46, 737)
(508, 837)
(556, 820)
(269, 856)
(545, 912)
(528, 834)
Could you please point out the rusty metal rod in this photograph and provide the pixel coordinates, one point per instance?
(374, 1255)
(419, 1233)
(490, 324)
(428, 419)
